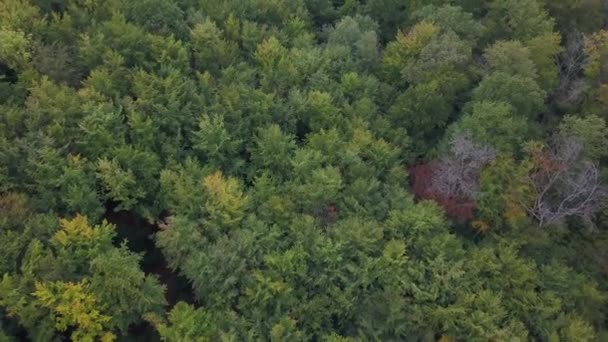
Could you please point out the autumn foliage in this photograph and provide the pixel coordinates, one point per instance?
(461, 209)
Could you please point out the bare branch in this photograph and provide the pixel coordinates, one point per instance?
(458, 173)
(565, 185)
(571, 86)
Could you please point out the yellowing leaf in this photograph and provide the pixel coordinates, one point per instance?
(417, 37)
(225, 202)
(73, 305)
(480, 226)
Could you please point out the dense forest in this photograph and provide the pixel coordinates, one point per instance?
(304, 170)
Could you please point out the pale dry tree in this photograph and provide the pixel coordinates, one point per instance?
(564, 184)
(457, 174)
(572, 85)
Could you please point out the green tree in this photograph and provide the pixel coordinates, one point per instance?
(217, 146)
(595, 69)
(590, 130)
(522, 93)
(585, 16)
(118, 35)
(272, 151)
(78, 281)
(78, 188)
(503, 195)
(126, 291)
(423, 111)
(494, 124)
(187, 323)
(511, 57)
(162, 17)
(454, 18)
(14, 50)
(212, 51)
(359, 35)
(517, 19)
(130, 179)
(544, 52)
(277, 69)
(406, 46)
(389, 14)
(180, 188)
(262, 151)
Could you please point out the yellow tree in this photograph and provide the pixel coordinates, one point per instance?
(73, 305)
(225, 202)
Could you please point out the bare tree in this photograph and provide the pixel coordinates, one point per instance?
(457, 174)
(572, 60)
(453, 181)
(565, 185)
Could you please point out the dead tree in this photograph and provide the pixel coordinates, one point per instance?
(572, 85)
(453, 181)
(457, 208)
(565, 185)
(457, 174)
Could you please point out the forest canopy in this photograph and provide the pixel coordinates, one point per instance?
(303, 170)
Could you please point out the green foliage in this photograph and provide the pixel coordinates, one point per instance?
(511, 57)
(77, 281)
(454, 18)
(126, 290)
(120, 36)
(187, 323)
(57, 62)
(161, 17)
(544, 52)
(256, 158)
(595, 68)
(218, 148)
(79, 189)
(517, 19)
(20, 15)
(584, 16)
(406, 46)
(129, 179)
(494, 124)
(504, 193)
(179, 187)
(14, 50)
(272, 150)
(423, 110)
(590, 130)
(522, 93)
(120, 183)
(211, 51)
(359, 35)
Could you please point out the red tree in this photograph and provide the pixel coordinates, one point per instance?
(453, 180)
(458, 208)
